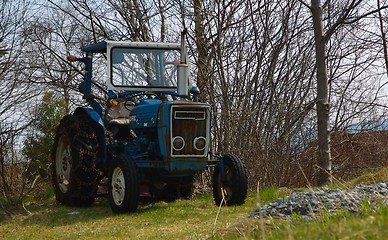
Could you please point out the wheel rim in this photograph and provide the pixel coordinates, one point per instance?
(225, 191)
(63, 163)
(118, 186)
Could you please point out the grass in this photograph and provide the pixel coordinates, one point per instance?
(354, 226)
(371, 223)
(371, 226)
(371, 177)
(183, 219)
(194, 219)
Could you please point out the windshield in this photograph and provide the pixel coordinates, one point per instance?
(134, 67)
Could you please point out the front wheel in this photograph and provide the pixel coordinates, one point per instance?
(123, 185)
(233, 188)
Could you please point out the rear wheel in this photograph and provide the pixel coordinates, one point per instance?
(123, 185)
(233, 189)
(73, 162)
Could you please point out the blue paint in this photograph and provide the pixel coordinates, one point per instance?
(145, 114)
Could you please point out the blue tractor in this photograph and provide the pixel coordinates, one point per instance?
(151, 136)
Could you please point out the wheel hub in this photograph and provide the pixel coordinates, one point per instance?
(118, 186)
(225, 190)
(63, 166)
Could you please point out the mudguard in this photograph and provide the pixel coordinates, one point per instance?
(100, 131)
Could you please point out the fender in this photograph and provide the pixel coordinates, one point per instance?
(100, 131)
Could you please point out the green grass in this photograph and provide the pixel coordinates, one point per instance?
(353, 226)
(371, 223)
(183, 219)
(269, 194)
(197, 218)
(188, 219)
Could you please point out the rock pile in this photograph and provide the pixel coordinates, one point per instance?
(314, 202)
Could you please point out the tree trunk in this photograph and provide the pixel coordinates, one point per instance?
(324, 158)
(383, 36)
(202, 62)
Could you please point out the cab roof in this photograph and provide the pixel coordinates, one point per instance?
(102, 46)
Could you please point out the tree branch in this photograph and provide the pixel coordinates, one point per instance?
(342, 20)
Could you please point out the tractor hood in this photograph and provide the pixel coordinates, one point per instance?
(145, 114)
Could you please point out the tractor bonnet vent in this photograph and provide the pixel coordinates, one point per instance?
(190, 115)
(190, 130)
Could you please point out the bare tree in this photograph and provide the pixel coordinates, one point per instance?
(322, 94)
(16, 96)
(347, 15)
(258, 69)
(254, 62)
(383, 35)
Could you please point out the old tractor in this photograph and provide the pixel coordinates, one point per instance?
(150, 137)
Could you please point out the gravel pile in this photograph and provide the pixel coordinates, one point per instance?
(314, 202)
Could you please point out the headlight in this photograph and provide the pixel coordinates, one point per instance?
(199, 143)
(178, 143)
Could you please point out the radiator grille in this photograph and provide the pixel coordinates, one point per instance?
(190, 115)
(190, 123)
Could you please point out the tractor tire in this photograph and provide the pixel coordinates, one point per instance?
(73, 162)
(233, 191)
(123, 185)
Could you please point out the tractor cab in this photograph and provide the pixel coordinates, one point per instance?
(150, 70)
(140, 67)
(147, 67)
